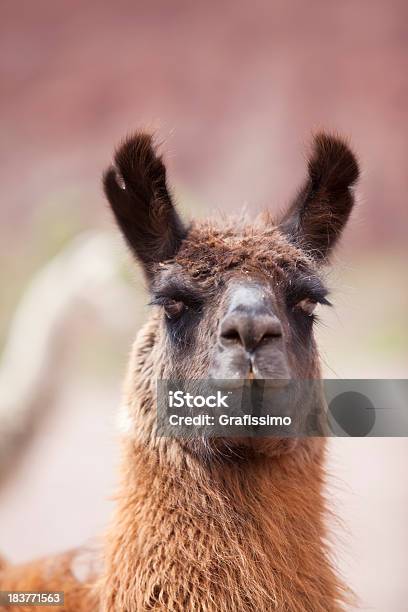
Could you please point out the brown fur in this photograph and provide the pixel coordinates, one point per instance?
(244, 534)
(233, 537)
(214, 525)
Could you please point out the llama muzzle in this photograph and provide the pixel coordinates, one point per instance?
(250, 342)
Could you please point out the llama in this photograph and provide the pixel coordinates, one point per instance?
(217, 524)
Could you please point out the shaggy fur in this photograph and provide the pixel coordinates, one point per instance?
(214, 525)
(240, 531)
(241, 536)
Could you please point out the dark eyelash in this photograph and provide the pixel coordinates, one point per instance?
(189, 300)
(321, 299)
(315, 294)
(159, 300)
(293, 301)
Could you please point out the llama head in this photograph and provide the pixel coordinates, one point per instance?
(233, 300)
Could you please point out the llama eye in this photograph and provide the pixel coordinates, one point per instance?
(307, 305)
(173, 308)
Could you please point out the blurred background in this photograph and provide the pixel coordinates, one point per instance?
(234, 90)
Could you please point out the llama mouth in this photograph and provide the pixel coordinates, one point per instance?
(279, 381)
(235, 374)
(252, 377)
(234, 367)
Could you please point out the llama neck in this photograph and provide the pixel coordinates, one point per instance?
(243, 536)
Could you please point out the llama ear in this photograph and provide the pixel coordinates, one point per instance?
(320, 211)
(137, 192)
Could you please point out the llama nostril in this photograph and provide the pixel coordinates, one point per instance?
(266, 333)
(249, 330)
(272, 328)
(231, 335)
(231, 331)
(268, 337)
